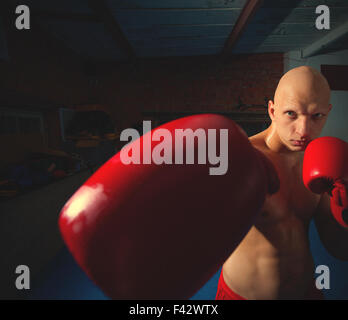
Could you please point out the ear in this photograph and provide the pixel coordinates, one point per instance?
(271, 109)
(330, 107)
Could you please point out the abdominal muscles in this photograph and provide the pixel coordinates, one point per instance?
(272, 262)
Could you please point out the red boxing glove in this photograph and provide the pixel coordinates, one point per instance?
(325, 169)
(148, 231)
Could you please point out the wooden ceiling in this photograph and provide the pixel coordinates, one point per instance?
(116, 30)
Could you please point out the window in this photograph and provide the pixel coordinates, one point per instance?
(20, 122)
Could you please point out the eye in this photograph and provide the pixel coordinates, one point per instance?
(318, 115)
(291, 114)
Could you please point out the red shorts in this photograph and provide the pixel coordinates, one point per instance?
(224, 292)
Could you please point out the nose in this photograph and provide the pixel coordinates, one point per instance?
(302, 128)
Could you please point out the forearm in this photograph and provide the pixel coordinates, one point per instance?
(325, 172)
(333, 236)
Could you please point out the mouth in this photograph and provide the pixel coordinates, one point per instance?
(300, 143)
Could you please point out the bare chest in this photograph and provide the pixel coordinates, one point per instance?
(292, 200)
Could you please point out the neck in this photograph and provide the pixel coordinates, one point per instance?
(273, 141)
(275, 144)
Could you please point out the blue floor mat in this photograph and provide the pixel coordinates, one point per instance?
(63, 279)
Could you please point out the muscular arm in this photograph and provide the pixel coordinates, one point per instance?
(333, 236)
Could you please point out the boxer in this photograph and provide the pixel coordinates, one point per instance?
(160, 231)
(274, 260)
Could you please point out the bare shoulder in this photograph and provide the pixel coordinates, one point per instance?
(258, 141)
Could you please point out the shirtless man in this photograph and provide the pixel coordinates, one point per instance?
(274, 260)
(153, 231)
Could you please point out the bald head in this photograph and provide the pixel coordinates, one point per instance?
(300, 108)
(304, 84)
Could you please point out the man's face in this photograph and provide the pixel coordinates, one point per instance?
(298, 117)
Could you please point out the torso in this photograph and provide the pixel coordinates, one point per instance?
(274, 260)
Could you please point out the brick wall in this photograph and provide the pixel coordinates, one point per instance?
(190, 84)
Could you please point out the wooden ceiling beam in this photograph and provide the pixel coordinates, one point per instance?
(102, 11)
(326, 41)
(244, 19)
